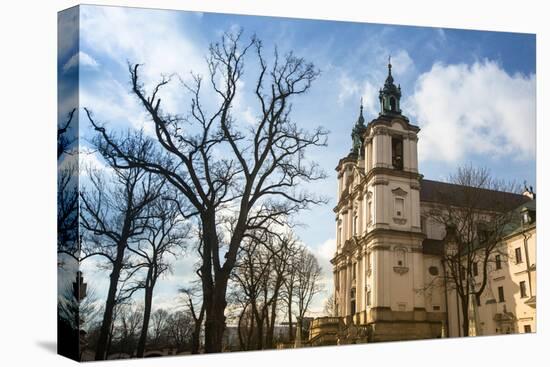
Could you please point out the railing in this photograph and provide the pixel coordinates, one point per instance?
(324, 321)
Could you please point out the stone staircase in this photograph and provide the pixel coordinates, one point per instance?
(336, 331)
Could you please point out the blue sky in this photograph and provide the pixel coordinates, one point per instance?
(471, 92)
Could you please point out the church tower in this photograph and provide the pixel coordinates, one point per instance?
(378, 264)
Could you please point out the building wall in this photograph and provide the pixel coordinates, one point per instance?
(380, 272)
(512, 315)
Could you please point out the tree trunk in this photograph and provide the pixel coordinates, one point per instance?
(109, 305)
(260, 326)
(215, 304)
(195, 339)
(109, 342)
(146, 316)
(250, 333)
(269, 342)
(240, 328)
(465, 316)
(299, 327)
(290, 335)
(196, 335)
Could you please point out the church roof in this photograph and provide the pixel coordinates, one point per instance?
(431, 246)
(458, 195)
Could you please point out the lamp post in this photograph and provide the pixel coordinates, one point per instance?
(298, 339)
(525, 222)
(79, 293)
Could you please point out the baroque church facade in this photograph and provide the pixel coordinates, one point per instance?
(387, 252)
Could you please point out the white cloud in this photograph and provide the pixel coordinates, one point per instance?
(368, 87)
(241, 107)
(370, 98)
(350, 88)
(115, 105)
(323, 252)
(474, 109)
(151, 37)
(401, 63)
(80, 59)
(164, 43)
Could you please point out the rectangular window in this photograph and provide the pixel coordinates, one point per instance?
(474, 268)
(478, 300)
(518, 255)
(399, 207)
(498, 262)
(527, 328)
(501, 294)
(462, 272)
(354, 271)
(522, 289)
(436, 308)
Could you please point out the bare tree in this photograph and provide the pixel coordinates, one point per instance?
(163, 235)
(308, 274)
(67, 232)
(179, 329)
(158, 325)
(329, 307)
(64, 138)
(256, 176)
(78, 310)
(259, 275)
(127, 327)
(67, 211)
(196, 310)
(67, 189)
(112, 213)
(475, 216)
(283, 249)
(252, 273)
(287, 294)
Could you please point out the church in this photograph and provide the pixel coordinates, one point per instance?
(389, 253)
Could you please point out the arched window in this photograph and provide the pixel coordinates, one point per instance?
(392, 104)
(397, 152)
